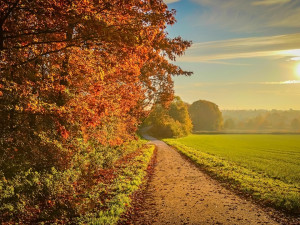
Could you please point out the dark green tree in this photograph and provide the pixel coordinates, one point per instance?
(206, 115)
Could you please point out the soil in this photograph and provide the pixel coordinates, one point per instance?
(177, 192)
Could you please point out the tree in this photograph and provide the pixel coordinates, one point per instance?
(229, 124)
(170, 122)
(82, 68)
(295, 124)
(205, 115)
(79, 70)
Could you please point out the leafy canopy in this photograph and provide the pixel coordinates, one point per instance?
(205, 115)
(173, 121)
(81, 69)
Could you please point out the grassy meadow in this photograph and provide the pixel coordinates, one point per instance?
(267, 167)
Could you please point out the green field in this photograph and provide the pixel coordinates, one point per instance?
(264, 166)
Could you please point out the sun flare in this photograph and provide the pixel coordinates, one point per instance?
(297, 69)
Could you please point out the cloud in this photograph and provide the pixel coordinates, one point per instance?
(249, 15)
(292, 52)
(291, 82)
(279, 46)
(270, 2)
(219, 84)
(282, 82)
(170, 1)
(295, 58)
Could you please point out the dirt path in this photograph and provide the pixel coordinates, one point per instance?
(179, 193)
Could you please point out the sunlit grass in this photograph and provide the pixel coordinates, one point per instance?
(129, 177)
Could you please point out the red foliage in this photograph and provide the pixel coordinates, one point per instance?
(82, 69)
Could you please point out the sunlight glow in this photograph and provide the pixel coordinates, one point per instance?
(295, 58)
(287, 82)
(297, 69)
(293, 53)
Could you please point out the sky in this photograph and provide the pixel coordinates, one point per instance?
(245, 53)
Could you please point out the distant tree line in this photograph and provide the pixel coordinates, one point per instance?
(279, 120)
(180, 118)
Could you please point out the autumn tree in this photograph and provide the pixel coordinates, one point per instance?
(172, 121)
(205, 115)
(83, 67)
(79, 70)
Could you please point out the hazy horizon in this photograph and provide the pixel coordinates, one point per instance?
(246, 109)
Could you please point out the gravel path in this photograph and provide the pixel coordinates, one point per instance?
(179, 193)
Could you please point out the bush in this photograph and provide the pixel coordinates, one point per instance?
(88, 187)
(170, 122)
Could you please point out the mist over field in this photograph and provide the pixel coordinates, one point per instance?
(262, 120)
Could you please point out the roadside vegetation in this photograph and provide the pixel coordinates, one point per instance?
(116, 195)
(96, 189)
(265, 167)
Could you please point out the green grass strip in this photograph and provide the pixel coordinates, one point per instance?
(271, 192)
(128, 180)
